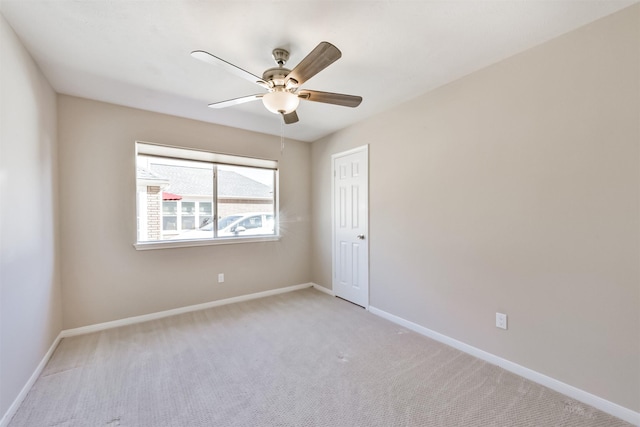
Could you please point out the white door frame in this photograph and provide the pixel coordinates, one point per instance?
(365, 242)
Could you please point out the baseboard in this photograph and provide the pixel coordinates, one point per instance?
(161, 314)
(323, 289)
(566, 389)
(6, 418)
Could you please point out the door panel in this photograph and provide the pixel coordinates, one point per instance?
(350, 226)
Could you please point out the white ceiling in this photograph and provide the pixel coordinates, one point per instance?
(136, 53)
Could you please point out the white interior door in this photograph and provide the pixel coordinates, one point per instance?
(351, 225)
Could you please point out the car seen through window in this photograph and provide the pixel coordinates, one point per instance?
(248, 224)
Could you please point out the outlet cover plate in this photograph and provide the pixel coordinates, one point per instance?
(501, 320)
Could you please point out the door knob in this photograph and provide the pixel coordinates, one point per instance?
(360, 236)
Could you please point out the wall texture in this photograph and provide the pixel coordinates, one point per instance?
(104, 277)
(30, 308)
(515, 189)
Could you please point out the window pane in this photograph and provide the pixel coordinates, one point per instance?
(246, 201)
(205, 208)
(188, 222)
(169, 192)
(188, 208)
(204, 213)
(169, 223)
(169, 208)
(205, 220)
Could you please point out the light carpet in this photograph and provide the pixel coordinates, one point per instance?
(296, 359)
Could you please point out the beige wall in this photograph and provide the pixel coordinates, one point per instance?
(104, 277)
(30, 308)
(515, 189)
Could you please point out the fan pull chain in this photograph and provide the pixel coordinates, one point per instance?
(281, 136)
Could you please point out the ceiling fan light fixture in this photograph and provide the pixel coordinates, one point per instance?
(280, 102)
(282, 83)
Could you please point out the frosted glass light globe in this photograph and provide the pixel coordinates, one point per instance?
(280, 102)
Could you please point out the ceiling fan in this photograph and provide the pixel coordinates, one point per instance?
(283, 85)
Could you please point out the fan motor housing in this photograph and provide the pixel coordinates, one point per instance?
(276, 74)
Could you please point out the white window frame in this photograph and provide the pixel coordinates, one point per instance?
(152, 149)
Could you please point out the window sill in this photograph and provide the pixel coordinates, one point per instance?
(171, 244)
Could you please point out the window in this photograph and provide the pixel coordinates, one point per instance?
(169, 215)
(195, 196)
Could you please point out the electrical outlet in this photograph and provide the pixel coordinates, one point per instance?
(501, 320)
(221, 278)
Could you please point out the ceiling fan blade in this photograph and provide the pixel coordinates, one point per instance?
(290, 118)
(212, 59)
(330, 98)
(235, 101)
(317, 60)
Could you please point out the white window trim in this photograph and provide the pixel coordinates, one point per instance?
(151, 149)
(169, 244)
(148, 148)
